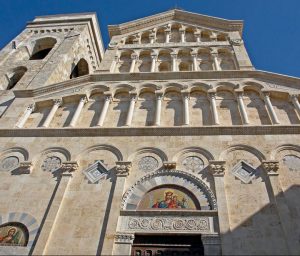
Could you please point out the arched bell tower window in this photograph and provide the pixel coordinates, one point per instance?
(42, 47)
(15, 76)
(81, 69)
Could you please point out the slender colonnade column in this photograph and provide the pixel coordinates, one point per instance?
(195, 64)
(79, 108)
(26, 115)
(186, 118)
(134, 58)
(159, 96)
(270, 108)
(114, 64)
(168, 35)
(56, 104)
(239, 95)
(131, 109)
(104, 110)
(295, 102)
(152, 38)
(174, 61)
(198, 36)
(182, 35)
(213, 105)
(153, 62)
(216, 61)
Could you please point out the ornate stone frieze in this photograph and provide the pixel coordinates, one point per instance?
(148, 164)
(123, 168)
(169, 223)
(217, 168)
(96, 172)
(244, 171)
(124, 238)
(271, 167)
(193, 164)
(237, 42)
(51, 164)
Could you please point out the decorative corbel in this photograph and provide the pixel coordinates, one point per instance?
(271, 167)
(123, 168)
(217, 168)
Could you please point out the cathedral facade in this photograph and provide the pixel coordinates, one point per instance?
(168, 142)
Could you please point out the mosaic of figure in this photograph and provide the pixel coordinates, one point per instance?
(167, 198)
(11, 235)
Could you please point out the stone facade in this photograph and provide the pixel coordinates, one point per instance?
(173, 104)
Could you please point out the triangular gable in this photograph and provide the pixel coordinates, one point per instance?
(176, 16)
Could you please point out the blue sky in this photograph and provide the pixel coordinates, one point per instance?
(271, 29)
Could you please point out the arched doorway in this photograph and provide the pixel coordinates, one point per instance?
(168, 212)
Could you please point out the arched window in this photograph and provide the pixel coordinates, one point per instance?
(184, 66)
(13, 234)
(42, 47)
(164, 66)
(81, 69)
(15, 76)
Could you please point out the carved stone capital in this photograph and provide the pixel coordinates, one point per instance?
(169, 165)
(70, 166)
(31, 107)
(124, 238)
(25, 167)
(217, 168)
(134, 56)
(57, 102)
(236, 42)
(271, 167)
(123, 168)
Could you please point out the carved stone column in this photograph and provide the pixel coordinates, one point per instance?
(198, 36)
(266, 96)
(214, 55)
(174, 61)
(168, 35)
(159, 96)
(134, 58)
(278, 200)
(56, 104)
(213, 106)
(295, 101)
(153, 62)
(133, 97)
(123, 243)
(79, 108)
(122, 171)
(26, 115)
(152, 38)
(217, 169)
(104, 110)
(182, 35)
(195, 62)
(186, 116)
(114, 64)
(53, 215)
(239, 96)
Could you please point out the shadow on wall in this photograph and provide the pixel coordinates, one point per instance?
(273, 230)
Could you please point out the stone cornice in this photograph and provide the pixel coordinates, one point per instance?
(152, 131)
(176, 15)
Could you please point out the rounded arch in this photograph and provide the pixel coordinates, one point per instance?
(250, 85)
(153, 150)
(115, 151)
(42, 47)
(59, 152)
(14, 76)
(196, 186)
(283, 147)
(225, 86)
(247, 148)
(25, 219)
(80, 69)
(19, 150)
(199, 150)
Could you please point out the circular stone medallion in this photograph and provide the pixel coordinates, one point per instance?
(51, 164)
(292, 162)
(148, 164)
(193, 164)
(9, 163)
